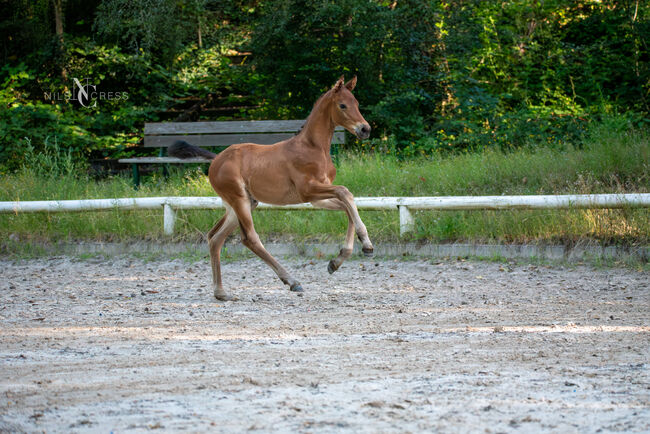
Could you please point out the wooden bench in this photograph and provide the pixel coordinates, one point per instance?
(215, 134)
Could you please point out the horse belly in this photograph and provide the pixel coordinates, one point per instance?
(273, 188)
(266, 174)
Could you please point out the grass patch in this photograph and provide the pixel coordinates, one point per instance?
(614, 159)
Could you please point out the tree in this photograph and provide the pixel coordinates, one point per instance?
(143, 27)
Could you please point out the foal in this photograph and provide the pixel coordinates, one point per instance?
(292, 171)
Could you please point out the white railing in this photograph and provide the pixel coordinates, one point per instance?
(402, 204)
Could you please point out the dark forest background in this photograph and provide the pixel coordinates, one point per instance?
(434, 76)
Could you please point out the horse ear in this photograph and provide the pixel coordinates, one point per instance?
(337, 86)
(350, 84)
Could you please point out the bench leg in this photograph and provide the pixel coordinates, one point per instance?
(165, 168)
(334, 154)
(136, 176)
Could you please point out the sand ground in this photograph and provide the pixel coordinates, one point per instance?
(121, 345)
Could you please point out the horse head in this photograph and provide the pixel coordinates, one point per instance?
(344, 108)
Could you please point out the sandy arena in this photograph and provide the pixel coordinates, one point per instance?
(380, 346)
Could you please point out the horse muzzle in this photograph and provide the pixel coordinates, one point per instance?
(362, 131)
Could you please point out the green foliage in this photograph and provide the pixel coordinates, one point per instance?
(613, 157)
(51, 162)
(36, 108)
(434, 77)
(142, 26)
(301, 47)
(42, 122)
(458, 74)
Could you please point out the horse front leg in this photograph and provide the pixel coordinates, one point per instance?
(313, 192)
(346, 251)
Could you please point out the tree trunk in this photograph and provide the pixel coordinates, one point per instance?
(199, 32)
(58, 27)
(58, 18)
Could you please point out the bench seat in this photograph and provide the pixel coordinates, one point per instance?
(163, 160)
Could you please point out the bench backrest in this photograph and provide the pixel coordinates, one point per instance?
(225, 133)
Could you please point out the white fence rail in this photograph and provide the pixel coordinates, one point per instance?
(402, 204)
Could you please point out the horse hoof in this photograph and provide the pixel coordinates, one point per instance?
(331, 267)
(368, 253)
(223, 296)
(296, 288)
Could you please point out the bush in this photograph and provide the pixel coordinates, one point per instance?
(27, 118)
(461, 75)
(300, 48)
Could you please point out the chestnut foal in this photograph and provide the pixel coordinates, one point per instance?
(292, 171)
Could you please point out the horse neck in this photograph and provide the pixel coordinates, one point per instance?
(319, 128)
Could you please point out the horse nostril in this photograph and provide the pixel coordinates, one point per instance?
(362, 131)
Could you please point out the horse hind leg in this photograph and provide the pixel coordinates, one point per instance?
(243, 208)
(216, 238)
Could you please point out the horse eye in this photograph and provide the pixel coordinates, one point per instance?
(343, 106)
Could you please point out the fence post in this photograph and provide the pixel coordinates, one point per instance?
(406, 222)
(169, 219)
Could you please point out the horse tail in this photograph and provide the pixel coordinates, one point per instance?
(182, 149)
